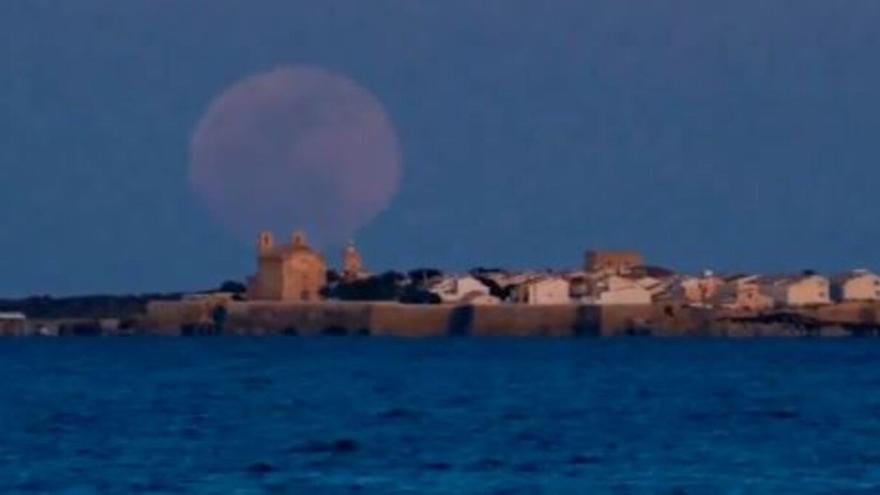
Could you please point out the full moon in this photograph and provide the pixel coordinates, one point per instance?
(295, 148)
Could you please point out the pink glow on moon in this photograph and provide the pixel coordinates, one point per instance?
(295, 148)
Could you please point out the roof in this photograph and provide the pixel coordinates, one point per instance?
(297, 246)
(288, 250)
(536, 279)
(785, 279)
(447, 282)
(510, 279)
(17, 316)
(852, 274)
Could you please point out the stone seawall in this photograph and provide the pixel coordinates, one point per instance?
(379, 319)
(401, 320)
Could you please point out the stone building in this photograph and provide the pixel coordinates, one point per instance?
(618, 262)
(290, 272)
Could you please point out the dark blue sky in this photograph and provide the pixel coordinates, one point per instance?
(734, 135)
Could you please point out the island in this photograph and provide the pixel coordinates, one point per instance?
(611, 293)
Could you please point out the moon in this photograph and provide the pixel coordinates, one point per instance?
(295, 148)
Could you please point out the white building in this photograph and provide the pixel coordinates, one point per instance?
(799, 290)
(457, 290)
(542, 290)
(743, 292)
(615, 289)
(857, 285)
(699, 291)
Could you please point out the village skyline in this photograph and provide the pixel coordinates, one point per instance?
(296, 272)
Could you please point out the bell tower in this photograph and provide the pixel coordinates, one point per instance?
(299, 240)
(352, 263)
(265, 242)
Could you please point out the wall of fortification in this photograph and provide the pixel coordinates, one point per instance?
(400, 320)
(381, 319)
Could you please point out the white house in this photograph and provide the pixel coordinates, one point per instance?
(542, 290)
(455, 290)
(800, 290)
(616, 289)
(743, 292)
(857, 285)
(699, 291)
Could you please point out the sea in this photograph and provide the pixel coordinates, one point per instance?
(361, 415)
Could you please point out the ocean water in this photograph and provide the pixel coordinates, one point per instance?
(444, 416)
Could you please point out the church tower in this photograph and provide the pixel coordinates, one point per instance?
(265, 243)
(299, 240)
(352, 264)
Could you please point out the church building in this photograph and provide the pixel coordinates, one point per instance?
(290, 272)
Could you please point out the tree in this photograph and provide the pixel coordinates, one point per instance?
(420, 275)
(412, 294)
(385, 287)
(502, 293)
(233, 287)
